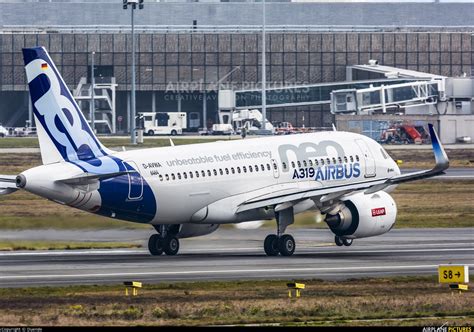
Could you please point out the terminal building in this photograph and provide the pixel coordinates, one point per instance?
(200, 57)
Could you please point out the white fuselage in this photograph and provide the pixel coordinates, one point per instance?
(206, 183)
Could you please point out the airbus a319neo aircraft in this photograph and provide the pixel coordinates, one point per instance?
(186, 191)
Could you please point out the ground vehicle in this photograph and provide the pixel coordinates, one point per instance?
(164, 123)
(3, 131)
(284, 128)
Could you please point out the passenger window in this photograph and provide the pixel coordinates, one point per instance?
(328, 161)
(284, 165)
(262, 167)
(310, 163)
(190, 175)
(232, 170)
(203, 173)
(215, 172)
(172, 176)
(316, 162)
(244, 169)
(299, 164)
(268, 167)
(334, 161)
(160, 177)
(185, 175)
(357, 157)
(197, 174)
(179, 176)
(304, 163)
(250, 169)
(238, 169)
(167, 177)
(221, 172)
(340, 160)
(352, 159)
(293, 164)
(345, 159)
(322, 161)
(275, 166)
(256, 168)
(208, 172)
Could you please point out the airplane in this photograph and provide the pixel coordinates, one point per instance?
(190, 190)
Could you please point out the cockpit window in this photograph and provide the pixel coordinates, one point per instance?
(384, 154)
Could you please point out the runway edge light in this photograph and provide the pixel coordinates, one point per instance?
(133, 285)
(297, 287)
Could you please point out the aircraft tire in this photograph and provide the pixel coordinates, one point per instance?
(155, 245)
(286, 245)
(171, 246)
(270, 245)
(338, 241)
(347, 242)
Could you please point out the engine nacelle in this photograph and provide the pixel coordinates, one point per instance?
(363, 215)
(192, 230)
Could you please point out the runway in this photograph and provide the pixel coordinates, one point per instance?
(237, 254)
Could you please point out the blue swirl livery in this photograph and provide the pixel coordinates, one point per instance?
(65, 136)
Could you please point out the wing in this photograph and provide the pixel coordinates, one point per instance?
(7, 184)
(284, 198)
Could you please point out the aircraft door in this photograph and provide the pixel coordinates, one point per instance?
(135, 181)
(369, 160)
(276, 171)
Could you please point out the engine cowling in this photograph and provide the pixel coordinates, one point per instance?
(361, 215)
(192, 230)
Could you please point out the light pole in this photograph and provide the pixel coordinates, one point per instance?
(133, 123)
(264, 69)
(92, 94)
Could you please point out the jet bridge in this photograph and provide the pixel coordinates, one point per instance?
(384, 97)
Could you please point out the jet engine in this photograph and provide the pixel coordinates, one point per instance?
(361, 215)
(192, 230)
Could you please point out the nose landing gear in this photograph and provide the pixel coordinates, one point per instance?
(343, 241)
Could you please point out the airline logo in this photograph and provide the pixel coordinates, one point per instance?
(327, 173)
(378, 212)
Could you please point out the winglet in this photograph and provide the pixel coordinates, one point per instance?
(442, 161)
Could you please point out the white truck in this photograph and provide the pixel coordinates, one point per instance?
(234, 121)
(164, 123)
(3, 131)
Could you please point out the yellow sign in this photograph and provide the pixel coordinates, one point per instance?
(452, 274)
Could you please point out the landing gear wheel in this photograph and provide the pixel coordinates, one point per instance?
(347, 242)
(271, 245)
(171, 246)
(286, 245)
(339, 241)
(155, 245)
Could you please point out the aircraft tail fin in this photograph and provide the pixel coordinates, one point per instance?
(63, 132)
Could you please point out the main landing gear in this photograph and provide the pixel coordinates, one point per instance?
(165, 241)
(280, 243)
(342, 241)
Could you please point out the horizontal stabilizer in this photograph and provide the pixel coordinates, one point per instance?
(7, 184)
(88, 178)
